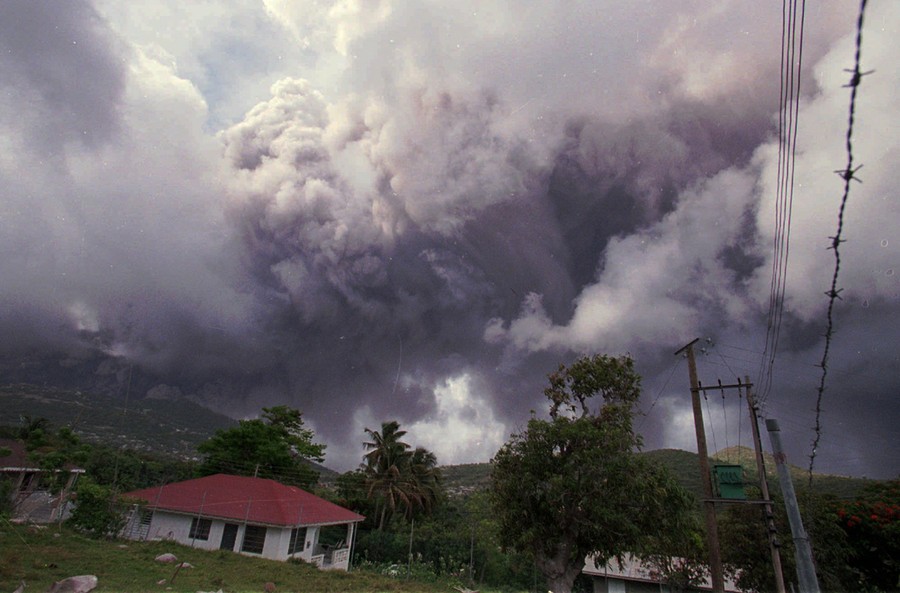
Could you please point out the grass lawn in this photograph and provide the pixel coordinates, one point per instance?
(40, 556)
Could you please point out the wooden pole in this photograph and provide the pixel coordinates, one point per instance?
(709, 509)
(764, 488)
(412, 525)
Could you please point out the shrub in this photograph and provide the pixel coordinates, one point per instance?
(96, 512)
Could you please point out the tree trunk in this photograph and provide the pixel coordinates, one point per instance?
(560, 570)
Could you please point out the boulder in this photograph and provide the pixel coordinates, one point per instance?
(170, 558)
(79, 584)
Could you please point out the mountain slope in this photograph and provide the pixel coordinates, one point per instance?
(685, 466)
(173, 426)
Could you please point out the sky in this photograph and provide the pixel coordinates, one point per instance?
(374, 210)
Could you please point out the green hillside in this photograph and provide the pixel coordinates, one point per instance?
(177, 426)
(172, 426)
(165, 426)
(685, 466)
(465, 478)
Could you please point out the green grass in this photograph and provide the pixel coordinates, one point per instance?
(43, 556)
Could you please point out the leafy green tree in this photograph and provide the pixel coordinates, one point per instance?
(55, 453)
(34, 430)
(871, 523)
(125, 469)
(573, 486)
(277, 446)
(96, 512)
(397, 476)
(743, 537)
(351, 492)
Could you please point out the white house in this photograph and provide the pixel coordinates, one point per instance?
(634, 576)
(247, 515)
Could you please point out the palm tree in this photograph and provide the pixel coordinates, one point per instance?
(397, 476)
(426, 478)
(384, 466)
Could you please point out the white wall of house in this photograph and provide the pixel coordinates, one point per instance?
(165, 525)
(176, 527)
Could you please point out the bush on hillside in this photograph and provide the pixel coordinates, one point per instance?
(97, 512)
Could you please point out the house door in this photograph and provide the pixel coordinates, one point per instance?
(229, 536)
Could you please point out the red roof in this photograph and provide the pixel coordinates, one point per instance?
(17, 458)
(252, 500)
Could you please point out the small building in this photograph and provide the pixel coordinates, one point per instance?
(635, 576)
(31, 497)
(251, 516)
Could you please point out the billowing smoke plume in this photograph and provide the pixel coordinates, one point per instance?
(378, 210)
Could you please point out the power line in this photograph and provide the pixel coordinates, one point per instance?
(788, 119)
(733, 347)
(659, 393)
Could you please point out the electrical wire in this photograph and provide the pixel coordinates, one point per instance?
(659, 392)
(788, 126)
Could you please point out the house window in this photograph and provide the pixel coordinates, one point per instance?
(254, 538)
(297, 537)
(200, 528)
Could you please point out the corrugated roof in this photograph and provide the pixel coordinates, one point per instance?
(244, 499)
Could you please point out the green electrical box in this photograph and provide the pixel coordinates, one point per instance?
(730, 481)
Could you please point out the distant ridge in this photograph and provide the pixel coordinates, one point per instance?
(171, 426)
(175, 426)
(684, 465)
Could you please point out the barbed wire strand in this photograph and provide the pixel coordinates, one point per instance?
(848, 175)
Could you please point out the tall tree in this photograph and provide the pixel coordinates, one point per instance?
(572, 486)
(397, 476)
(276, 446)
(425, 477)
(872, 526)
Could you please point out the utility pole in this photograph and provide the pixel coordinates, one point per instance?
(712, 528)
(806, 571)
(764, 488)
(412, 526)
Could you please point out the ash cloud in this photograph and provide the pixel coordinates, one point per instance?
(72, 78)
(383, 211)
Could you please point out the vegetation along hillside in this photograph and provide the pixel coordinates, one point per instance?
(172, 426)
(684, 465)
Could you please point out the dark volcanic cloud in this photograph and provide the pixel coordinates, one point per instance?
(373, 210)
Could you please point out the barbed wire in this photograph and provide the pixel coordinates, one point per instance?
(848, 174)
